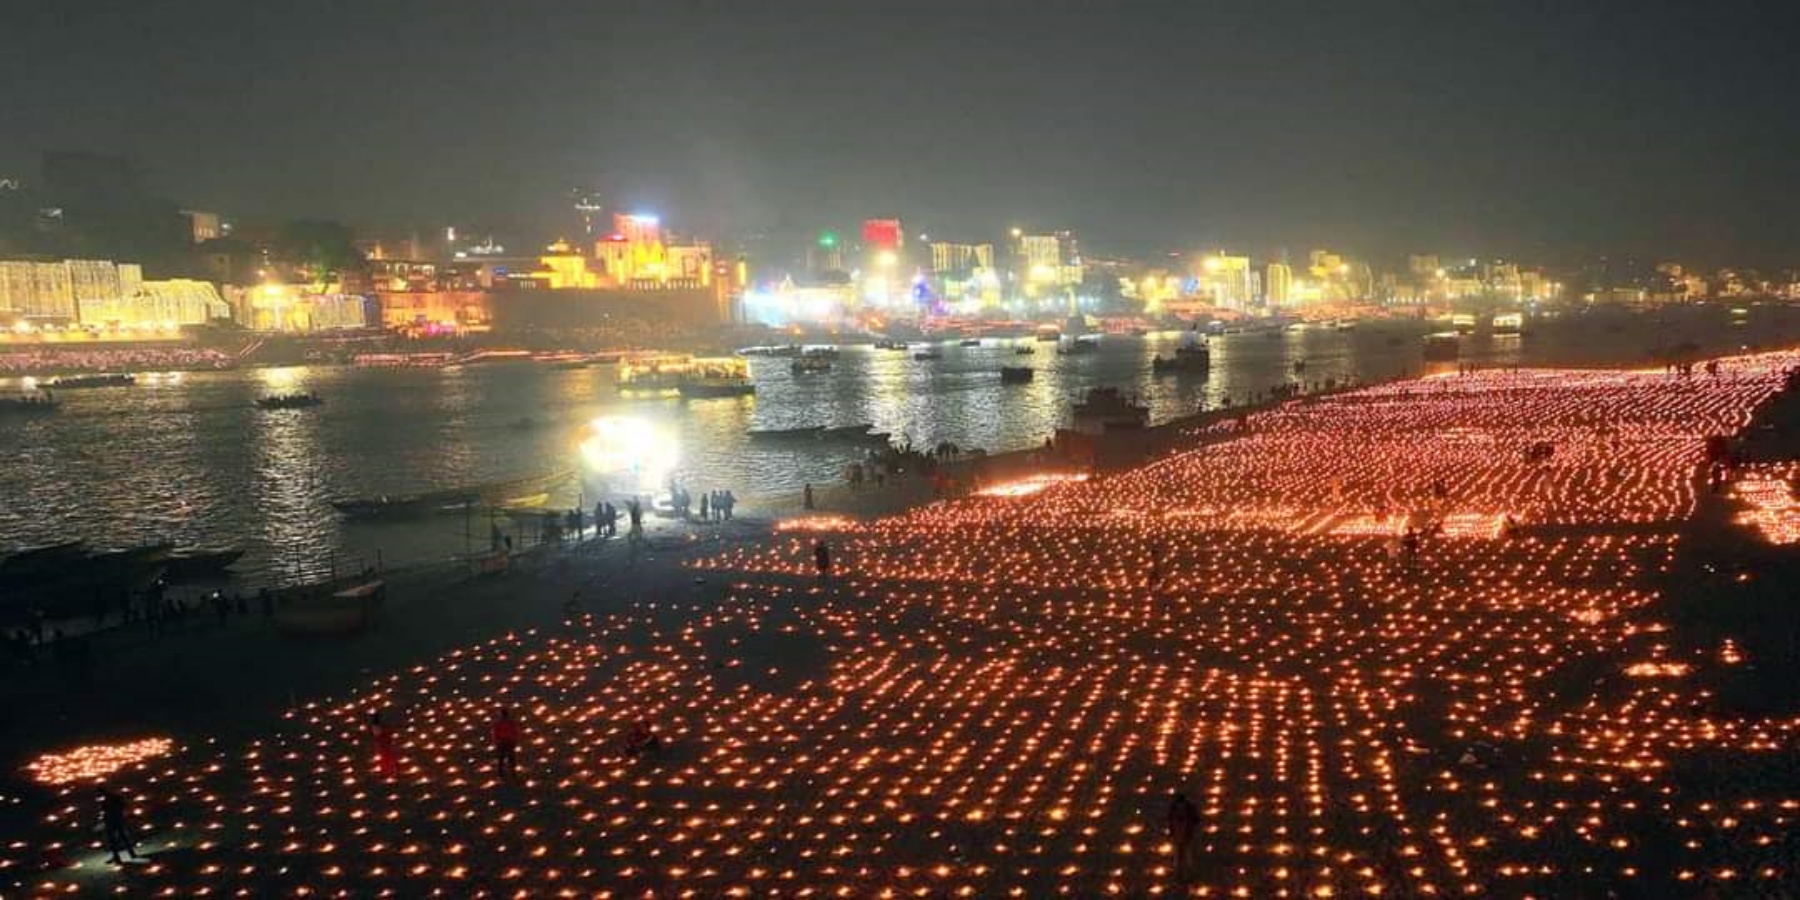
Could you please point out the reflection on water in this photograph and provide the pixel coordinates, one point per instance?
(190, 460)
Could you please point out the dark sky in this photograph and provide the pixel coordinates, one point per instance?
(1515, 128)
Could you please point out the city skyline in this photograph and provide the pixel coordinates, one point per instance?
(1148, 127)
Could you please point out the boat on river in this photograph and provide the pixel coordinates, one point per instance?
(193, 565)
(810, 365)
(290, 401)
(806, 433)
(1444, 346)
(689, 376)
(927, 355)
(1016, 374)
(105, 380)
(510, 493)
(1190, 360)
(68, 579)
(1081, 346)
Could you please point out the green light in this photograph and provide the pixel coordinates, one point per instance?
(827, 239)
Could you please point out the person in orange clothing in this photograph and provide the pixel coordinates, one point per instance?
(387, 758)
(506, 743)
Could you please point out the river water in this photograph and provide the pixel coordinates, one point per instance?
(188, 459)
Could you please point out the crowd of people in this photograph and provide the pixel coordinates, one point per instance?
(113, 359)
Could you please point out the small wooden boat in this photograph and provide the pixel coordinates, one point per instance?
(72, 382)
(499, 493)
(926, 355)
(810, 365)
(1442, 347)
(807, 433)
(340, 612)
(1190, 359)
(1023, 350)
(845, 432)
(1016, 374)
(706, 390)
(971, 342)
(290, 401)
(188, 565)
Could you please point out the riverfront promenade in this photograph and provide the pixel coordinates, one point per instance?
(1492, 634)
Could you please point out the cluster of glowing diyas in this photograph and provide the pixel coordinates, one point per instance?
(1766, 492)
(1031, 484)
(94, 762)
(819, 524)
(997, 694)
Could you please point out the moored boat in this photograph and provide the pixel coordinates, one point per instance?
(1016, 374)
(808, 433)
(188, 565)
(1080, 346)
(73, 382)
(512, 492)
(810, 365)
(290, 401)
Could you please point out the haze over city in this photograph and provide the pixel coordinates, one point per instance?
(1541, 130)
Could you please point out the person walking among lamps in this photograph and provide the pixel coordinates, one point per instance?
(506, 743)
(1183, 821)
(115, 826)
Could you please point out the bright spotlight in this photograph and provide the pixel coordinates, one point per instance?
(636, 453)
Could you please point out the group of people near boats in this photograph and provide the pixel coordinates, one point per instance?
(715, 506)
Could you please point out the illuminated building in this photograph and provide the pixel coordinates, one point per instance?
(825, 254)
(290, 308)
(55, 290)
(1048, 261)
(1422, 265)
(158, 304)
(635, 257)
(203, 226)
(788, 303)
(883, 235)
(1324, 264)
(949, 257)
(1278, 284)
(434, 312)
(38, 290)
(1226, 280)
(562, 268)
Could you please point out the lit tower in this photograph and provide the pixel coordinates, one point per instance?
(586, 201)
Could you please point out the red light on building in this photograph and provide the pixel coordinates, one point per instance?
(882, 234)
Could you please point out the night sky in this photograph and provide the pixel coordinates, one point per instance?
(1528, 129)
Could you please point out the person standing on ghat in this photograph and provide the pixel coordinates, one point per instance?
(115, 826)
(1183, 821)
(506, 743)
